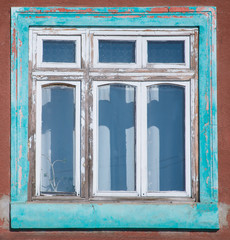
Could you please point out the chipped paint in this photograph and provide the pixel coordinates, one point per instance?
(20, 117)
(128, 16)
(159, 10)
(42, 16)
(180, 9)
(102, 16)
(20, 152)
(175, 16)
(113, 10)
(19, 178)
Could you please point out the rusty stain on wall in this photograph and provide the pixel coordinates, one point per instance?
(4, 212)
(224, 210)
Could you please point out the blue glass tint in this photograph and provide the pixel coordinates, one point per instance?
(116, 165)
(166, 138)
(116, 51)
(59, 51)
(58, 126)
(166, 52)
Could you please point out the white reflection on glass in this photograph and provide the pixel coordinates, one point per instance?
(116, 164)
(58, 136)
(166, 138)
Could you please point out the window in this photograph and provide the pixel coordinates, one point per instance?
(119, 117)
(141, 126)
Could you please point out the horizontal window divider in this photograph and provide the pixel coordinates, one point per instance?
(58, 78)
(142, 79)
(141, 71)
(61, 72)
(141, 32)
(114, 199)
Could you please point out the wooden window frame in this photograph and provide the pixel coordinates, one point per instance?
(28, 212)
(106, 70)
(141, 141)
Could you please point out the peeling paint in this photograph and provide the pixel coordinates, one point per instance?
(207, 102)
(4, 212)
(207, 180)
(158, 10)
(129, 16)
(102, 16)
(42, 16)
(20, 152)
(20, 177)
(113, 10)
(21, 116)
(175, 16)
(180, 9)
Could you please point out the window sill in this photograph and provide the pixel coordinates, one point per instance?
(114, 216)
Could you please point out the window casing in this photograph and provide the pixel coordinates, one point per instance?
(30, 212)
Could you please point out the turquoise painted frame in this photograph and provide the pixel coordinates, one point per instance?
(38, 215)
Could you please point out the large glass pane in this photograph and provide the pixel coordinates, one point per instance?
(116, 153)
(166, 52)
(111, 51)
(57, 143)
(59, 51)
(166, 138)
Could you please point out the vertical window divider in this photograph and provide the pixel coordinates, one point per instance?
(143, 143)
(138, 138)
(38, 137)
(188, 137)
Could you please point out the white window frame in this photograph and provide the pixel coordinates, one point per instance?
(76, 150)
(141, 140)
(91, 74)
(41, 64)
(96, 192)
(186, 40)
(97, 64)
(188, 99)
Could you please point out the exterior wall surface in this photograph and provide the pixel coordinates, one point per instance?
(223, 59)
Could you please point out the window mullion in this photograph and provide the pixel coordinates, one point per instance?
(143, 138)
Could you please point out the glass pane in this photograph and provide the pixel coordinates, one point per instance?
(166, 138)
(59, 51)
(116, 51)
(166, 52)
(116, 171)
(58, 126)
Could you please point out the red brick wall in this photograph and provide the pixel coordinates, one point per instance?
(223, 80)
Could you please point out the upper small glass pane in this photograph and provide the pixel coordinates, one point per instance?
(59, 51)
(111, 51)
(166, 52)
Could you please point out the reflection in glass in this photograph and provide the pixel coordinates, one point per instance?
(59, 51)
(58, 126)
(116, 152)
(166, 52)
(116, 51)
(166, 137)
